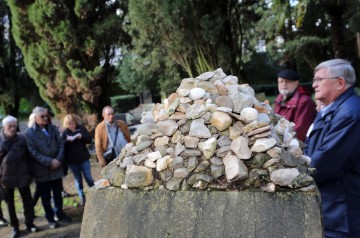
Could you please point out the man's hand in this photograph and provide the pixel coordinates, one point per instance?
(55, 164)
(102, 163)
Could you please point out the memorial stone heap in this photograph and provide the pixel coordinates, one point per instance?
(212, 134)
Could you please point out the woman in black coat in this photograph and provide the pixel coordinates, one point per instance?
(76, 154)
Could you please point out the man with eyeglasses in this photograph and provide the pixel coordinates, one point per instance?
(334, 147)
(110, 137)
(294, 102)
(47, 148)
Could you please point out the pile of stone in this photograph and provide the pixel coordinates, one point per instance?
(212, 134)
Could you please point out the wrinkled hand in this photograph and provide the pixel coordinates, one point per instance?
(55, 164)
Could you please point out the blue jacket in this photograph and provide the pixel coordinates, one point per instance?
(43, 149)
(334, 147)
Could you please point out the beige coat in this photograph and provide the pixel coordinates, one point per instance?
(101, 137)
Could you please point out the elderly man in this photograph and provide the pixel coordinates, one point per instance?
(294, 102)
(110, 137)
(47, 149)
(15, 173)
(334, 147)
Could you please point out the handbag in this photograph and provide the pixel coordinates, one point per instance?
(110, 154)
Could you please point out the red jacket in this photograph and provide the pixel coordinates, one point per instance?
(300, 109)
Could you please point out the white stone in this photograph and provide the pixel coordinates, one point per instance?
(307, 159)
(294, 142)
(284, 177)
(263, 117)
(240, 147)
(196, 93)
(205, 76)
(183, 92)
(153, 156)
(249, 114)
(162, 163)
(263, 144)
(149, 163)
(208, 147)
(124, 186)
(241, 100)
(269, 187)
(231, 80)
(235, 169)
(195, 111)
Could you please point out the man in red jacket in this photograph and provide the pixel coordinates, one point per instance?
(294, 102)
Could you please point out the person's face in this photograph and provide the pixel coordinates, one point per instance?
(109, 115)
(10, 129)
(287, 87)
(326, 88)
(72, 125)
(42, 119)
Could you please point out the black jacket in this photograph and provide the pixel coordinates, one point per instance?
(76, 151)
(15, 162)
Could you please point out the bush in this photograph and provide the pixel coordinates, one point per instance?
(124, 103)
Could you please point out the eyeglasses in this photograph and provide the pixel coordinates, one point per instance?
(44, 116)
(319, 79)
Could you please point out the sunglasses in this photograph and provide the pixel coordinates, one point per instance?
(44, 116)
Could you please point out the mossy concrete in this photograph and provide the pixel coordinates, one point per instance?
(113, 212)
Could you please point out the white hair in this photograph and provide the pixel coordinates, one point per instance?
(39, 110)
(31, 121)
(8, 119)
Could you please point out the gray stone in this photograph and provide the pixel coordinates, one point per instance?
(168, 127)
(138, 176)
(235, 169)
(217, 170)
(224, 101)
(263, 144)
(178, 162)
(198, 129)
(143, 145)
(284, 177)
(208, 147)
(224, 141)
(191, 142)
(146, 129)
(202, 166)
(241, 100)
(120, 213)
(173, 184)
(161, 141)
(181, 173)
(216, 161)
(195, 111)
(240, 148)
(222, 151)
(192, 163)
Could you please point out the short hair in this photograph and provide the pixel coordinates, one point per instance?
(8, 119)
(105, 108)
(70, 117)
(39, 110)
(339, 68)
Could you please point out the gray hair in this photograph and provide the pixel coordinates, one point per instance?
(39, 110)
(8, 119)
(339, 68)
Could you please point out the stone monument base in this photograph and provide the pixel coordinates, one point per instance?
(114, 212)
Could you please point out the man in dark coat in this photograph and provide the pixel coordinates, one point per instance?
(294, 102)
(15, 173)
(47, 149)
(334, 147)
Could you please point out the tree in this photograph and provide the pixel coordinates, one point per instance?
(69, 48)
(14, 81)
(182, 38)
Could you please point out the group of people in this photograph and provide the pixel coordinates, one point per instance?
(331, 137)
(330, 130)
(42, 153)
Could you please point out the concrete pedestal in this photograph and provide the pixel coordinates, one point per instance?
(113, 212)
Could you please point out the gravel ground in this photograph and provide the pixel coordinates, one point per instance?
(71, 207)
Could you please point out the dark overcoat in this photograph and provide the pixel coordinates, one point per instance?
(334, 147)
